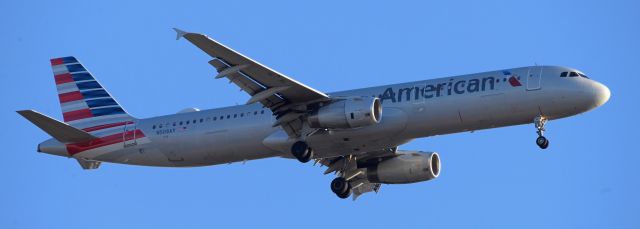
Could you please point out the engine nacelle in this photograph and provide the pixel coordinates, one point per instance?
(347, 113)
(407, 167)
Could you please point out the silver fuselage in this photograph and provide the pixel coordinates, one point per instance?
(410, 110)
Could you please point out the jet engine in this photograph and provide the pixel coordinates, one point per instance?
(406, 167)
(347, 113)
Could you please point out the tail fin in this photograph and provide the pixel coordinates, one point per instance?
(84, 102)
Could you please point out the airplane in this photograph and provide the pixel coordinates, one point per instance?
(354, 133)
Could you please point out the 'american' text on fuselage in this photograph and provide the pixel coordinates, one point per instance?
(436, 90)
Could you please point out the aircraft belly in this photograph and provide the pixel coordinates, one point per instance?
(435, 118)
(137, 156)
(515, 107)
(240, 144)
(459, 114)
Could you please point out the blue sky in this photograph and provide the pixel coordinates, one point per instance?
(491, 179)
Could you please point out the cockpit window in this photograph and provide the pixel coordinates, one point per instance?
(573, 74)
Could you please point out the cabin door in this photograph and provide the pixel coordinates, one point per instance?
(534, 78)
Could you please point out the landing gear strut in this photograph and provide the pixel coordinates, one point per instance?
(301, 151)
(341, 187)
(541, 141)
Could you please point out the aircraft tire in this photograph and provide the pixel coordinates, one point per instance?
(341, 187)
(542, 142)
(302, 151)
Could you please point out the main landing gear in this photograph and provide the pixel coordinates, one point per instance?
(541, 141)
(341, 187)
(301, 151)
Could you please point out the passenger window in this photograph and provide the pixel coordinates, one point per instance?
(563, 74)
(228, 116)
(187, 122)
(235, 115)
(255, 112)
(154, 127)
(262, 112)
(573, 74)
(221, 117)
(201, 120)
(215, 118)
(174, 124)
(160, 127)
(241, 114)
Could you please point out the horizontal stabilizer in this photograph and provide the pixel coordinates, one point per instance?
(58, 130)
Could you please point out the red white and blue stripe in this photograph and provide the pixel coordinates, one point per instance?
(88, 106)
(82, 98)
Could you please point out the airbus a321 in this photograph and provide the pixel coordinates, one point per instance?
(354, 133)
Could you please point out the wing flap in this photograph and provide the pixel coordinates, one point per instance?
(246, 83)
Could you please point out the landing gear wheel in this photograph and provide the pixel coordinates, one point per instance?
(542, 142)
(301, 151)
(341, 187)
(344, 195)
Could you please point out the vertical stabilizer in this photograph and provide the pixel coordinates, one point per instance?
(84, 102)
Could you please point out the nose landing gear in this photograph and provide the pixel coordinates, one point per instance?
(541, 141)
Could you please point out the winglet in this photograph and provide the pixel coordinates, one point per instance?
(179, 33)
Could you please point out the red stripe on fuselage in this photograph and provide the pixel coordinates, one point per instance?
(63, 78)
(77, 114)
(105, 126)
(103, 141)
(70, 96)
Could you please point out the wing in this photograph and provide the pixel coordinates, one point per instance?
(287, 98)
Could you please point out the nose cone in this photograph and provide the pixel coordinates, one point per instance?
(599, 94)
